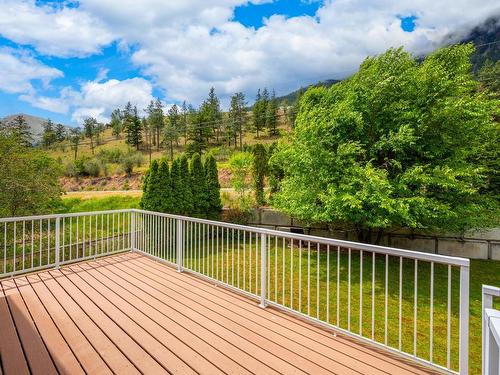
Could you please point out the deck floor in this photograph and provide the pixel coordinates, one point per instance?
(129, 314)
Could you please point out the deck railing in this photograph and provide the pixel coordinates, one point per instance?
(411, 303)
(491, 331)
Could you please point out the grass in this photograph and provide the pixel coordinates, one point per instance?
(85, 202)
(324, 291)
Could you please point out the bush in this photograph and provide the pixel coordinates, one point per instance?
(131, 160)
(113, 155)
(92, 168)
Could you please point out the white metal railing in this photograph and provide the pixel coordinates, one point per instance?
(411, 303)
(491, 331)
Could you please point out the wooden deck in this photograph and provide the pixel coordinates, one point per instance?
(128, 314)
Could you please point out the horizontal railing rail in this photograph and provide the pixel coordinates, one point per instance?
(411, 303)
(491, 331)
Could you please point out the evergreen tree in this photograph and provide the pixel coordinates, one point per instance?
(214, 204)
(176, 186)
(19, 129)
(183, 121)
(186, 186)
(198, 132)
(213, 112)
(275, 170)
(171, 131)
(48, 134)
(145, 194)
(90, 130)
(60, 131)
(199, 186)
(260, 111)
(75, 135)
(165, 187)
(259, 172)
(156, 120)
(271, 112)
(132, 126)
(151, 199)
(237, 117)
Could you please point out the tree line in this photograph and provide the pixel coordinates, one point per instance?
(184, 187)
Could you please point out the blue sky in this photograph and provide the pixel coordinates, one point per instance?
(67, 60)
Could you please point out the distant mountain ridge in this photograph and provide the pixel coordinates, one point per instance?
(35, 123)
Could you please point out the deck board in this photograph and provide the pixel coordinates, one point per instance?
(129, 314)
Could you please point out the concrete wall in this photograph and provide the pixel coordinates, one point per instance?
(475, 245)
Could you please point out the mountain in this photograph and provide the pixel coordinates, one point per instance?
(35, 123)
(290, 98)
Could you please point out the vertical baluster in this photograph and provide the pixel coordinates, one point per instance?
(338, 286)
(308, 277)
(361, 292)
(90, 234)
(431, 314)
(283, 273)
(349, 289)
(239, 261)
(227, 255)
(70, 237)
(96, 235)
(268, 269)
(317, 280)
(14, 247)
(291, 273)
(328, 283)
(232, 256)
(415, 304)
(24, 244)
(448, 321)
(40, 247)
(63, 239)
(250, 251)
(212, 244)
(257, 263)
(48, 241)
(205, 258)
(244, 260)
(275, 268)
(5, 247)
(373, 295)
(400, 313)
(386, 296)
(300, 275)
(32, 240)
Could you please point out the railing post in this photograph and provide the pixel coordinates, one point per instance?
(263, 269)
(490, 350)
(180, 242)
(134, 231)
(58, 235)
(464, 320)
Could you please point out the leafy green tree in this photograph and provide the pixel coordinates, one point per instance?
(271, 115)
(259, 171)
(275, 170)
(393, 146)
(237, 118)
(240, 165)
(48, 133)
(132, 126)
(18, 127)
(165, 187)
(30, 179)
(214, 204)
(489, 77)
(199, 186)
(293, 110)
(90, 130)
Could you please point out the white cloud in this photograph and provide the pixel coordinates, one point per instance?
(96, 98)
(19, 70)
(57, 31)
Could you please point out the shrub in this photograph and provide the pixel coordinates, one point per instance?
(131, 160)
(92, 167)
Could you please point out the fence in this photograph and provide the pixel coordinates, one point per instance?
(491, 332)
(411, 303)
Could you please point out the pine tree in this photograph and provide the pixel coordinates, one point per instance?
(75, 135)
(198, 132)
(132, 126)
(153, 199)
(172, 131)
(116, 123)
(60, 132)
(214, 113)
(19, 129)
(48, 135)
(186, 186)
(259, 172)
(165, 187)
(214, 204)
(89, 130)
(199, 186)
(183, 125)
(271, 119)
(260, 111)
(237, 117)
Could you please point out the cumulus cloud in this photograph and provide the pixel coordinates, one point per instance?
(57, 31)
(185, 47)
(19, 70)
(96, 98)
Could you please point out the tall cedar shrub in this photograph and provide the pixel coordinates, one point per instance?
(199, 186)
(144, 199)
(185, 185)
(165, 187)
(152, 199)
(176, 183)
(259, 171)
(214, 204)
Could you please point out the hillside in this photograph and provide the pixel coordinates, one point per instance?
(35, 123)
